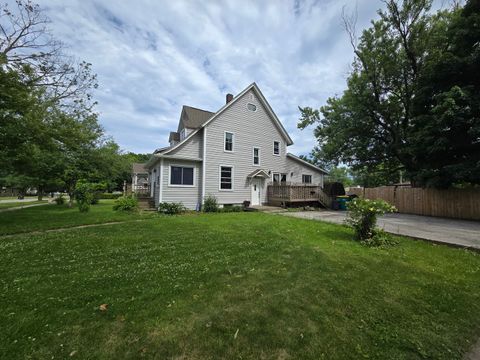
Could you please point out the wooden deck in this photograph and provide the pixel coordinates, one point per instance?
(287, 193)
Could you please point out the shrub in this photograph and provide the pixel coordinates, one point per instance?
(171, 208)
(126, 203)
(210, 204)
(379, 239)
(362, 217)
(84, 195)
(60, 200)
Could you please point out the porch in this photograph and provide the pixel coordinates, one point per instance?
(287, 193)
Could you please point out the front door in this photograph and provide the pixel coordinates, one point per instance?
(256, 191)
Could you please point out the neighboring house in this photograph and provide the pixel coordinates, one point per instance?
(231, 154)
(140, 180)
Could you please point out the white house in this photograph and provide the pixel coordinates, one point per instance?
(231, 154)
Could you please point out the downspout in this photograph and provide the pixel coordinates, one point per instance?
(204, 163)
(160, 191)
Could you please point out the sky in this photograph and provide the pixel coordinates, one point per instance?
(152, 57)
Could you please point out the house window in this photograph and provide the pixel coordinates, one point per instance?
(183, 134)
(228, 141)
(276, 148)
(283, 178)
(181, 175)
(256, 156)
(251, 107)
(276, 177)
(306, 179)
(226, 178)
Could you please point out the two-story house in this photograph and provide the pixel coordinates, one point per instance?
(231, 154)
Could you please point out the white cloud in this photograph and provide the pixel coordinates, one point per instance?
(152, 57)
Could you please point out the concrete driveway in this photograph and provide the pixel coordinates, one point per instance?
(462, 233)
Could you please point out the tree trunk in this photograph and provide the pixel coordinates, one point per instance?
(40, 194)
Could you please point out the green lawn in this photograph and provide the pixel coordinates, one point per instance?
(234, 286)
(20, 203)
(58, 216)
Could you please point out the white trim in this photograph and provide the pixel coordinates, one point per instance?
(225, 141)
(250, 103)
(276, 173)
(182, 166)
(220, 178)
(311, 179)
(235, 99)
(160, 188)
(253, 156)
(279, 147)
(204, 162)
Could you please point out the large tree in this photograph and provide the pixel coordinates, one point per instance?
(372, 125)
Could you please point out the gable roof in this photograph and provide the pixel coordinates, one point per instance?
(193, 118)
(227, 105)
(139, 168)
(294, 157)
(175, 136)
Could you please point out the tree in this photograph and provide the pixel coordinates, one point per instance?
(340, 174)
(372, 126)
(446, 126)
(27, 47)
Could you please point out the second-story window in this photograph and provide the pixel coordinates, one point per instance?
(183, 134)
(276, 148)
(228, 141)
(256, 156)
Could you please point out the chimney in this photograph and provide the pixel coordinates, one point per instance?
(229, 98)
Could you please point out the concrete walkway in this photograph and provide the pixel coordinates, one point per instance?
(461, 233)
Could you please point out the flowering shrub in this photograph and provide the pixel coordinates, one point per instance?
(362, 217)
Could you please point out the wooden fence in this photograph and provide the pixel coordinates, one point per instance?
(452, 203)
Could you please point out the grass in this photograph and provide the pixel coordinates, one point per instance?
(21, 203)
(57, 216)
(239, 285)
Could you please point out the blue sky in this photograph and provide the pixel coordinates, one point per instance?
(152, 57)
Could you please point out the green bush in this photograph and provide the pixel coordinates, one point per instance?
(126, 203)
(210, 204)
(83, 195)
(362, 217)
(171, 208)
(60, 200)
(379, 239)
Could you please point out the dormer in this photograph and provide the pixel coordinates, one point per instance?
(174, 138)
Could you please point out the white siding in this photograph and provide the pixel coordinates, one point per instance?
(189, 196)
(192, 148)
(251, 129)
(298, 169)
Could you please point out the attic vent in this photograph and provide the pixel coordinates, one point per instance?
(251, 107)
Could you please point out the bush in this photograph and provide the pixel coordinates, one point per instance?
(84, 195)
(126, 203)
(171, 208)
(60, 200)
(362, 217)
(379, 239)
(210, 204)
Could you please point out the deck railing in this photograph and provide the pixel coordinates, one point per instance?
(282, 193)
(141, 190)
